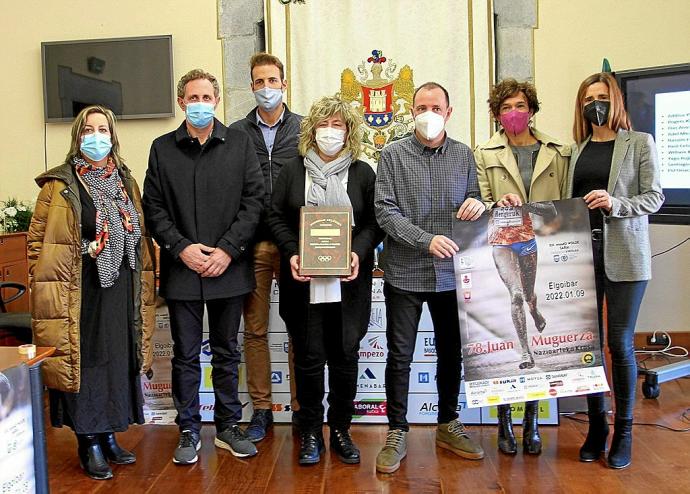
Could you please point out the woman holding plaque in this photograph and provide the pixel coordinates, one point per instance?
(518, 166)
(326, 317)
(92, 291)
(615, 171)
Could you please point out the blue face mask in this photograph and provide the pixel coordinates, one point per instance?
(199, 115)
(95, 146)
(268, 98)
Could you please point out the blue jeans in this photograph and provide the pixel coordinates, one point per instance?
(623, 300)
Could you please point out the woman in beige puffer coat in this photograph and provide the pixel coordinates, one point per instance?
(92, 291)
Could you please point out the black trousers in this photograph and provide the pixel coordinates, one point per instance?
(403, 311)
(319, 343)
(623, 300)
(186, 327)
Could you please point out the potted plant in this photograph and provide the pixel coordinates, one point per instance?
(15, 216)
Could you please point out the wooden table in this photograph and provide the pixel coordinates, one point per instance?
(10, 357)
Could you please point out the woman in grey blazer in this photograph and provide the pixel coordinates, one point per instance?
(615, 171)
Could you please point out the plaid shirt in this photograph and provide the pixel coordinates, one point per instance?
(418, 192)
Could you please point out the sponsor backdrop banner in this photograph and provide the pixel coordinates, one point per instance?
(527, 304)
(370, 402)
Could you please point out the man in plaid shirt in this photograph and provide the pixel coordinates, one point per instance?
(423, 182)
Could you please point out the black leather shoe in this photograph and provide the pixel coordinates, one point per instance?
(113, 452)
(595, 444)
(311, 448)
(342, 444)
(620, 455)
(506, 437)
(91, 457)
(531, 440)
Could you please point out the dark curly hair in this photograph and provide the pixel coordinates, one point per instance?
(510, 87)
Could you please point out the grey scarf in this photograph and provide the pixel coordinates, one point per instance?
(327, 185)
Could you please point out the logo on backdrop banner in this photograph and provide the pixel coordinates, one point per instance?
(429, 346)
(371, 347)
(369, 407)
(367, 374)
(206, 348)
(385, 101)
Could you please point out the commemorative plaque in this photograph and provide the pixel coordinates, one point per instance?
(325, 238)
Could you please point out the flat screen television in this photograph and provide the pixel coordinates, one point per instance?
(658, 102)
(131, 76)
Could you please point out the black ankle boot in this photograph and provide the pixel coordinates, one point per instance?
(113, 452)
(595, 444)
(342, 444)
(311, 448)
(506, 438)
(531, 440)
(91, 457)
(620, 455)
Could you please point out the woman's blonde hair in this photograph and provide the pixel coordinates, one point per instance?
(78, 127)
(325, 108)
(618, 117)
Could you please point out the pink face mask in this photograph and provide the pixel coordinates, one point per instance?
(515, 121)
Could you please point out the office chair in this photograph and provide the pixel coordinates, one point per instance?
(14, 325)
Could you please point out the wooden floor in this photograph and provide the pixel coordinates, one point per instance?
(661, 462)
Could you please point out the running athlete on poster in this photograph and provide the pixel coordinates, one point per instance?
(527, 304)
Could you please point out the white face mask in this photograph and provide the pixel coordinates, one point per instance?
(429, 125)
(330, 140)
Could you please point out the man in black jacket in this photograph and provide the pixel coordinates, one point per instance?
(203, 196)
(274, 129)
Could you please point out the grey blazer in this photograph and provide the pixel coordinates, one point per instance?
(635, 192)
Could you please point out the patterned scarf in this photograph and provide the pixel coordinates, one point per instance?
(327, 185)
(117, 220)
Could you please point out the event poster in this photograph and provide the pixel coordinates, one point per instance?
(156, 385)
(527, 304)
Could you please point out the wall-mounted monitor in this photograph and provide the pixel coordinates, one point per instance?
(131, 76)
(658, 102)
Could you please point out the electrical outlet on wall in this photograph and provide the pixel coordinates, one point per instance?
(660, 339)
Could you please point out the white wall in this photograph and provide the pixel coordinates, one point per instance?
(24, 139)
(570, 42)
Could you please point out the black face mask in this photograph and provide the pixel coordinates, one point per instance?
(597, 112)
